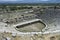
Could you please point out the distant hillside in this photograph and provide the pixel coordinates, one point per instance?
(32, 4)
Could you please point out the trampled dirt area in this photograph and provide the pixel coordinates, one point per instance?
(33, 27)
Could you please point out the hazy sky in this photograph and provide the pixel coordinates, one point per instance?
(24, 0)
(31, 1)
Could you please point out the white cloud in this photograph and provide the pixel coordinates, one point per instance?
(45, 0)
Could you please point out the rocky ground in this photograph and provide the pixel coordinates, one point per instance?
(51, 18)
